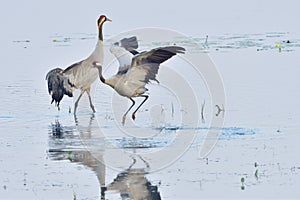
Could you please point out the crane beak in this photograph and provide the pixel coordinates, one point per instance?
(107, 19)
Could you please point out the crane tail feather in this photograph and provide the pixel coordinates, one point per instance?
(58, 85)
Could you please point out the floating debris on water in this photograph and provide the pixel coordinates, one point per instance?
(278, 45)
(61, 40)
(243, 183)
(21, 41)
(256, 171)
(259, 42)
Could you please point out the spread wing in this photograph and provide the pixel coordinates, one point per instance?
(130, 44)
(144, 66)
(124, 51)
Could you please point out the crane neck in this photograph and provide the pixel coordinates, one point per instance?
(110, 81)
(102, 79)
(100, 32)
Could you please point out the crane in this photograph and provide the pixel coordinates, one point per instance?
(79, 75)
(130, 80)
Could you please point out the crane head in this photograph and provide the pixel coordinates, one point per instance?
(97, 64)
(99, 67)
(103, 19)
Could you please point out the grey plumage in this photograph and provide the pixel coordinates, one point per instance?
(124, 51)
(80, 75)
(136, 71)
(150, 61)
(130, 44)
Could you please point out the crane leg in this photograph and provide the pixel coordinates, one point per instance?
(133, 114)
(90, 99)
(124, 116)
(76, 103)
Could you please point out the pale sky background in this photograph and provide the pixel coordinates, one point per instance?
(40, 21)
(34, 18)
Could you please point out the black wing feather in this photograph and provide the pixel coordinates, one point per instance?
(130, 44)
(58, 85)
(152, 59)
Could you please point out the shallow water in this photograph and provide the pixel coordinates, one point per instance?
(49, 154)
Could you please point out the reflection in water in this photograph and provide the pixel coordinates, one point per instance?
(59, 131)
(65, 144)
(132, 184)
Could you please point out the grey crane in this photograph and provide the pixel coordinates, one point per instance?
(79, 75)
(130, 80)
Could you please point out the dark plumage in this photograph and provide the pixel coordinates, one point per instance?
(58, 85)
(151, 60)
(130, 44)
